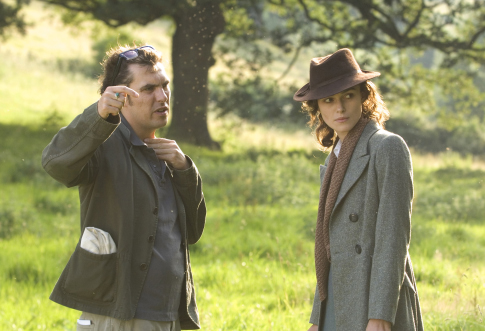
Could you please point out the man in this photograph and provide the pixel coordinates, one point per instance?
(141, 203)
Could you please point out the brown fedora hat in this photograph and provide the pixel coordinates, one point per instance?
(332, 74)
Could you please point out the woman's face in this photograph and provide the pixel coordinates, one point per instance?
(342, 111)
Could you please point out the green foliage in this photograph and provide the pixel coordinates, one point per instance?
(53, 120)
(7, 222)
(239, 24)
(255, 99)
(10, 16)
(111, 38)
(387, 31)
(434, 107)
(441, 201)
(431, 137)
(461, 97)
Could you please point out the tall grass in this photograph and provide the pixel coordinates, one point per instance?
(253, 267)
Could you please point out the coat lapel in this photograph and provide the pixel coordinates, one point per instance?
(323, 169)
(140, 161)
(136, 153)
(358, 162)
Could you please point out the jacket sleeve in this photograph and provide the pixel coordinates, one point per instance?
(189, 185)
(393, 227)
(69, 158)
(315, 316)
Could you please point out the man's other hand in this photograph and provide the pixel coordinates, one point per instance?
(168, 150)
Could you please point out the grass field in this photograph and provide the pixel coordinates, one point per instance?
(253, 267)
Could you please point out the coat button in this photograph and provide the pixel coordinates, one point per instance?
(358, 249)
(151, 239)
(143, 266)
(155, 211)
(353, 217)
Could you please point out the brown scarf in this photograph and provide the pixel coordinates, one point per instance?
(332, 181)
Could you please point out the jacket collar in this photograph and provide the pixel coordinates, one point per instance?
(129, 133)
(124, 131)
(361, 148)
(358, 162)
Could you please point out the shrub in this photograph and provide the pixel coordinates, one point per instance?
(255, 99)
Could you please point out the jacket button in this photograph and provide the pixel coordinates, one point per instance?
(353, 217)
(358, 249)
(155, 211)
(143, 266)
(151, 239)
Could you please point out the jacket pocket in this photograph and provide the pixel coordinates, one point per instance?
(92, 276)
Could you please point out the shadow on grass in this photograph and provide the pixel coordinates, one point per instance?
(21, 149)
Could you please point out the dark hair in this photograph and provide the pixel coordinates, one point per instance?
(146, 57)
(372, 107)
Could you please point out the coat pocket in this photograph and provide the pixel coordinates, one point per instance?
(407, 282)
(92, 276)
(406, 314)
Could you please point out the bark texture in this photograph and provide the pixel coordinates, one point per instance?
(196, 30)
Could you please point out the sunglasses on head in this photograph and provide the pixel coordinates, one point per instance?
(127, 55)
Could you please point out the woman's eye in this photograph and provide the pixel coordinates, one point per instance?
(328, 100)
(348, 96)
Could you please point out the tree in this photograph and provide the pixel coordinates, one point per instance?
(453, 27)
(197, 23)
(10, 16)
(390, 36)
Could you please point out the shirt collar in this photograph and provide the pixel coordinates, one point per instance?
(134, 139)
(336, 149)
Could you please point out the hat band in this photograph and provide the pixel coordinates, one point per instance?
(324, 83)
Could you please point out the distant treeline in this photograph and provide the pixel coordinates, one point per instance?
(256, 100)
(465, 139)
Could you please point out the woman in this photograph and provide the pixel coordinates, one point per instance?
(365, 279)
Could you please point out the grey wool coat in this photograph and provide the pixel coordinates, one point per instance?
(370, 232)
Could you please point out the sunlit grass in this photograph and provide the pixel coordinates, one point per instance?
(253, 267)
(30, 266)
(449, 159)
(34, 92)
(253, 294)
(237, 134)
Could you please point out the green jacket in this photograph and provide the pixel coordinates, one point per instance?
(370, 233)
(118, 195)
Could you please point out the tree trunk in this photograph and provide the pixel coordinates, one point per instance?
(196, 30)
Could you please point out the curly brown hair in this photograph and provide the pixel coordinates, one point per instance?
(146, 57)
(372, 107)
